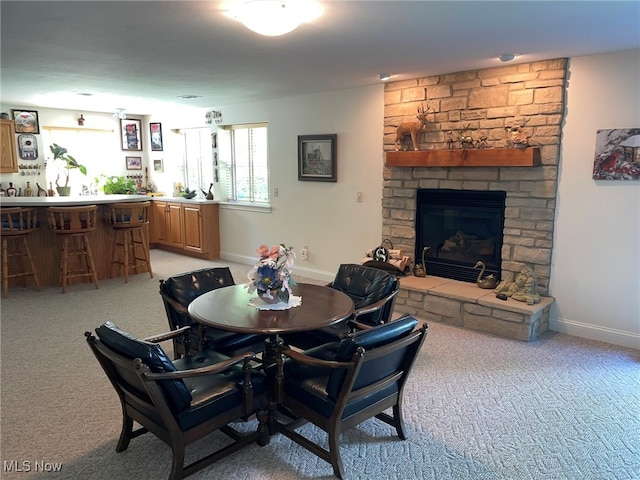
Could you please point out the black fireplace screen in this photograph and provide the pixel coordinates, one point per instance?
(460, 228)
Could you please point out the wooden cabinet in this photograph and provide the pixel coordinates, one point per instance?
(189, 228)
(8, 160)
(166, 224)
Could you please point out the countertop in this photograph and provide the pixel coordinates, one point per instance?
(89, 200)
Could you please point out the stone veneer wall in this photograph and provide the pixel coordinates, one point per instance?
(489, 100)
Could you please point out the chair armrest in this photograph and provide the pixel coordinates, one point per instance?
(197, 372)
(169, 335)
(355, 325)
(311, 361)
(375, 306)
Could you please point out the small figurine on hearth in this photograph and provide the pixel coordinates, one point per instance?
(523, 289)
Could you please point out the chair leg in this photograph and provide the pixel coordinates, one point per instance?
(64, 263)
(177, 465)
(334, 452)
(125, 434)
(144, 239)
(92, 267)
(34, 273)
(114, 251)
(263, 429)
(125, 262)
(397, 415)
(5, 268)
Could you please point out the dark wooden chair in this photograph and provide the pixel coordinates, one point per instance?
(339, 385)
(179, 291)
(373, 292)
(181, 401)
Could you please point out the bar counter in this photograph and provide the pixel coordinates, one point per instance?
(46, 247)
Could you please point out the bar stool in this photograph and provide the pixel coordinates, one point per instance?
(130, 248)
(74, 224)
(17, 224)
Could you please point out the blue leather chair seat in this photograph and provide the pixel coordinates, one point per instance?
(319, 386)
(192, 400)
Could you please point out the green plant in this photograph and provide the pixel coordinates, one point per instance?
(60, 153)
(119, 184)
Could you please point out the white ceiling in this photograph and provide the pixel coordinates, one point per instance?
(141, 55)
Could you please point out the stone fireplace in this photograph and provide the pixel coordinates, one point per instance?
(459, 228)
(485, 102)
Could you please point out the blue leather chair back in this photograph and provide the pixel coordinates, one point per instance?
(186, 287)
(152, 355)
(365, 286)
(369, 340)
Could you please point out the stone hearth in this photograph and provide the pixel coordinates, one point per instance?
(486, 102)
(465, 305)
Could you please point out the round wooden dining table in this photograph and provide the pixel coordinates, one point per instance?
(228, 309)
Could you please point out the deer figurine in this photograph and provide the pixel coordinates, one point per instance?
(517, 136)
(412, 128)
(465, 138)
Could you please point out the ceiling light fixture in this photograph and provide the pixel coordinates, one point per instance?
(384, 76)
(506, 57)
(119, 114)
(275, 17)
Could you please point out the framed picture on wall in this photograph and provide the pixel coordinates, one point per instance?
(317, 160)
(158, 166)
(155, 129)
(26, 121)
(134, 163)
(131, 134)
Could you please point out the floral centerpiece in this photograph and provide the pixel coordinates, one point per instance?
(271, 276)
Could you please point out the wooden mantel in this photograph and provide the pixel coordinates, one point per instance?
(484, 157)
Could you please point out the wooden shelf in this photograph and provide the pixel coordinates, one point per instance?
(485, 157)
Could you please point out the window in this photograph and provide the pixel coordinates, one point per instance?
(245, 169)
(95, 149)
(197, 165)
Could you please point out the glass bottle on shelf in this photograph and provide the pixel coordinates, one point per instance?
(28, 191)
(11, 191)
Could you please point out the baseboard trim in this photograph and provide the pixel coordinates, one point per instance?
(595, 332)
(301, 271)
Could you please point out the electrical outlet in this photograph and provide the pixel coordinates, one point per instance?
(276, 192)
(304, 252)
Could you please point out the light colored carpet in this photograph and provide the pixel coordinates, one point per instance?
(476, 406)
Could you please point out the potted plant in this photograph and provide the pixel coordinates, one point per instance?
(120, 184)
(60, 153)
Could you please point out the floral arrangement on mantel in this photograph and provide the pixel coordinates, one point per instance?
(271, 276)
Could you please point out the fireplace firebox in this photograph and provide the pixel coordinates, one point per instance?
(460, 228)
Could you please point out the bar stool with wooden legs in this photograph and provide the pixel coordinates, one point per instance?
(130, 247)
(17, 224)
(73, 225)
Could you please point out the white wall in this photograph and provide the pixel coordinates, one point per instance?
(595, 274)
(323, 215)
